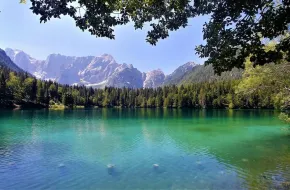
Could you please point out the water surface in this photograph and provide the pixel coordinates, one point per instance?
(194, 149)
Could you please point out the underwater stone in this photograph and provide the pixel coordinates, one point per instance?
(111, 169)
(61, 165)
(110, 166)
(155, 165)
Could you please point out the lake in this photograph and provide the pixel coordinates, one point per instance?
(143, 149)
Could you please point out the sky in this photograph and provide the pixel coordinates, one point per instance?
(21, 29)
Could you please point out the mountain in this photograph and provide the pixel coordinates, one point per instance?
(126, 76)
(65, 69)
(193, 73)
(153, 79)
(101, 71)
(7, 62)
(95, 71)
(98, 70)
(25, 62)
(177, 76)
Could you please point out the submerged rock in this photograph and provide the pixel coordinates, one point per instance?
(155, 166)
(245, 160)
(61, 165)
(110, 166)
(111, 169)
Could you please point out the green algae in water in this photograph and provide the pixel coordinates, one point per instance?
(193, 149)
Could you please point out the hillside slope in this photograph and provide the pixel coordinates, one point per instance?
(203, 73)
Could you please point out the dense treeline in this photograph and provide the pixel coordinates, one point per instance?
(20, 88)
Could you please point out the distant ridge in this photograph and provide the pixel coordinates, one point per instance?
(101, 71)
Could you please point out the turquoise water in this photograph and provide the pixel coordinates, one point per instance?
(194, 149)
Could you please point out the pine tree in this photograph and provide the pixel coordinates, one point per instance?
(3, 93)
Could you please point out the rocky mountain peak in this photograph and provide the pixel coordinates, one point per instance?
(179, 73)
(125, 75)
(17, 54)
(6, 61)
(155, 72)
(107, 58)
(154, 79)
(190, 64)
(126, 66)
(10, 52)
(23, 60)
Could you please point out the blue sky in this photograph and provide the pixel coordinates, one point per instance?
(20, 29)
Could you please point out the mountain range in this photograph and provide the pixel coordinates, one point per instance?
(101, 71)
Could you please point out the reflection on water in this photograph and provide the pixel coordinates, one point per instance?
(143, 148)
